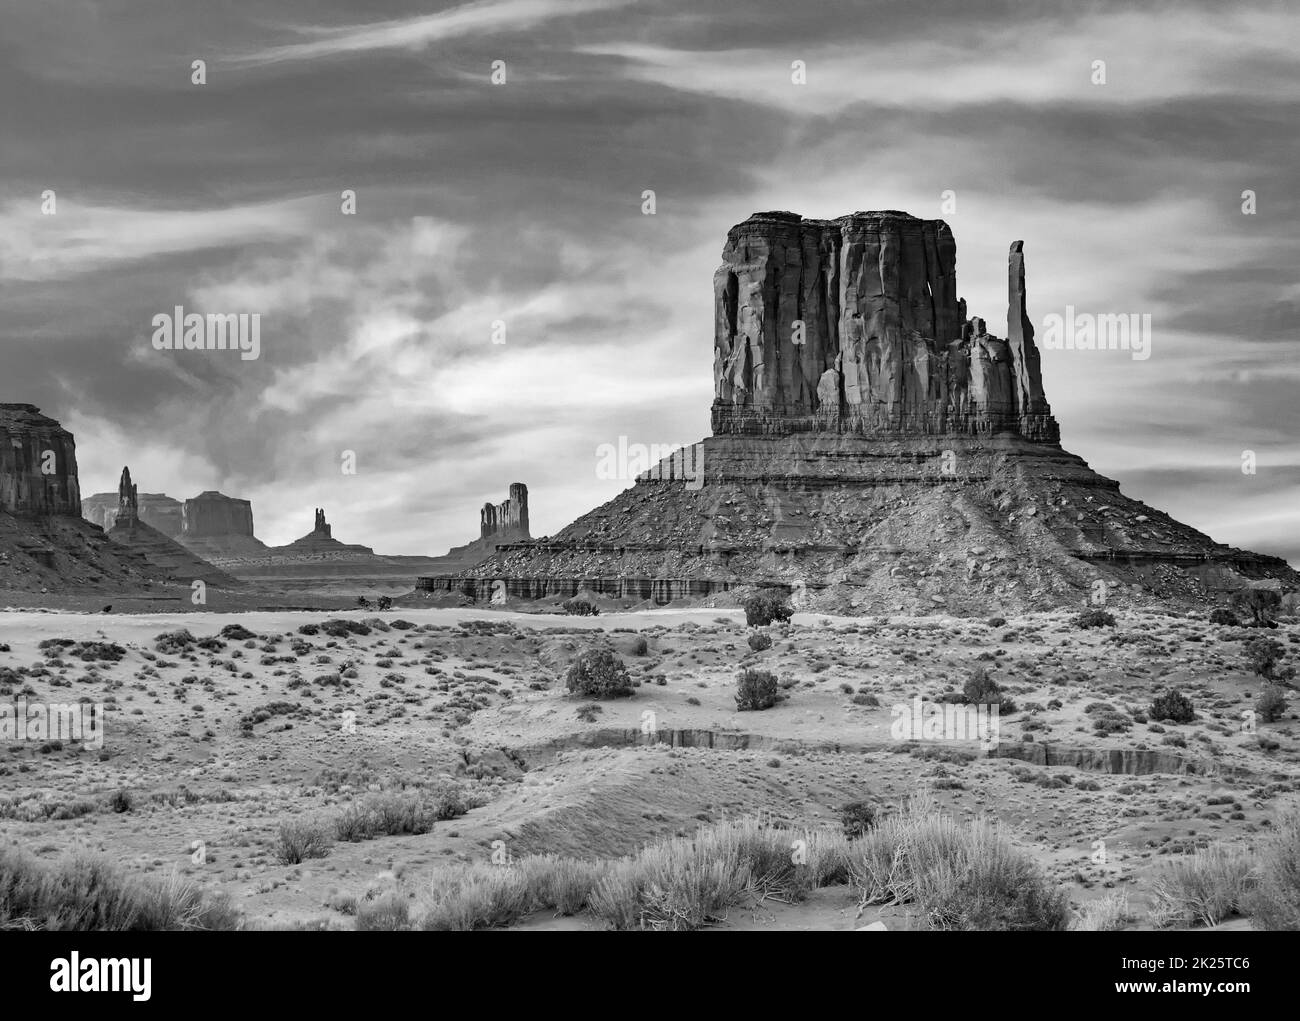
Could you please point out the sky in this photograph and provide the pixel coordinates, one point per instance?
(520, 202)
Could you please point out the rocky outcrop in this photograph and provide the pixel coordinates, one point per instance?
(168, 560)
(875, 450)
(155, 509)
(214, 514)
(38, 464)
(508, 519)
(319, 540)
(854, 325)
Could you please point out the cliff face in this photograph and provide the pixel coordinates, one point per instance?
(38, 464)
(213, 514)
(509, 518)
(854, 326)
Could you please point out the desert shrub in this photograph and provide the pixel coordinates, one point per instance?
(308, 629)
(1173, 705)
(385, 602)
(759, 641)
(856, 818)
(1110, 914)
(301, 839)
(120, 801)
(580, 608)
(173, 643)
(390, 813)
(236, 632)
(339, 628)
(1271, 704)
(756, 689)
(862, 698)
(1094, 618)
(475, 896)
(1222, 615)
(981, 689)
(598, 673)
(1275, 901)
(87, 892)
(388, 912)
(1262, 656)
(959, 877)
(1204, 887)
(763, 608)
(640, 646)
(996, 621)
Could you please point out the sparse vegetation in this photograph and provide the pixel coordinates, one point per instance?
(598, 673)
(1094, 618)
(580, 608)
(1172, 706)
(759, 641)
(764, 608)
(756, 689)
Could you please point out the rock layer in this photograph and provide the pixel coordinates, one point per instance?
(854, 325)
(38, 464)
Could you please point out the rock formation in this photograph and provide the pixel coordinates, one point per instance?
(168, 559)
(38, 464)
(155, 509)
(45, 544)
(319, 540)
(508, 519)
(854, 326)
(214, 514)
(874, 449)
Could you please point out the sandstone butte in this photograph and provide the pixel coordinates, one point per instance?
(873, 449)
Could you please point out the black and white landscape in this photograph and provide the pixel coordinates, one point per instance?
(598, 465)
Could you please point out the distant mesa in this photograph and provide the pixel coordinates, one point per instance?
(45, 544)
(319, 540)
(169, 558)
(874, 449)
(157, 510)
(38, 464)
(219, 527)
(507, 520)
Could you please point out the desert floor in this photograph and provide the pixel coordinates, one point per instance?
(478, 695)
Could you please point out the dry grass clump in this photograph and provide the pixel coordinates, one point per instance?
(1274, 903)
(1202, 888)
(87, 892)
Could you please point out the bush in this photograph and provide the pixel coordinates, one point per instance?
(996, 621)
(640, 646)
(756, 689)
(580, 608)
(759, 641)
(299, 840)
(1275, 902)
(1173, 705)
(856, 818)
(386, 913)
(121, 801)
(88, 892)
(1205, 887)
(385, 602)
(1271, 704)
(236, 632)
(959, 877)
(1262, 656)
(1222, 615)
(392, 813)
(1094, 618)
(763, 608)
(598, 673)
(173, 643)
(981, 689)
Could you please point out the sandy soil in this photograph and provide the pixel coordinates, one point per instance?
(477, 695)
